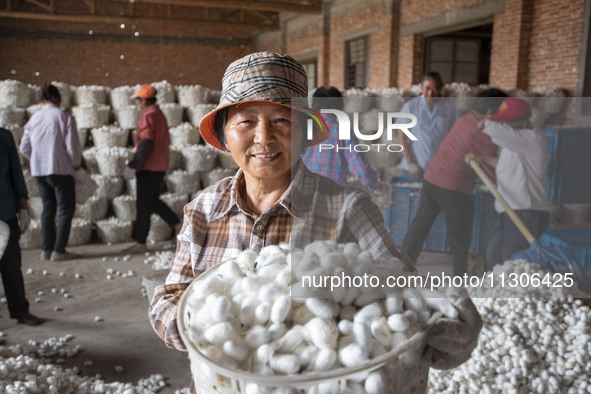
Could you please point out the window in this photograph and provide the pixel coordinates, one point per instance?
(310, 67)
(357, 63)
(462, 56)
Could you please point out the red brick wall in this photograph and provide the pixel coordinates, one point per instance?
(410, 60)
(416, 10)
(556, 44)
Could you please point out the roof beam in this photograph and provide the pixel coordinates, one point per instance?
(260, 5)
(127, 20)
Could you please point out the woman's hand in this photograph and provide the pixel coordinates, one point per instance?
(450, 341)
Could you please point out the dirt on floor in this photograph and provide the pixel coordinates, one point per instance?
(108, 318)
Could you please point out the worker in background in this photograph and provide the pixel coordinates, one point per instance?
(14, 216)
(50, 142)
(435, 117)
(520, 169)
(341, 161)
(449, 182)
(150, 163)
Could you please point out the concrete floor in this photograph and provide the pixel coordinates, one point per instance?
(124, 337)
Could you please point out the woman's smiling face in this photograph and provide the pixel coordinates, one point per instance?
(259, 136)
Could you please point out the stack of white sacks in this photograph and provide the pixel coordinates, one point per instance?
(106, 119)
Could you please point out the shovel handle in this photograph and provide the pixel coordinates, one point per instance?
(512, 215)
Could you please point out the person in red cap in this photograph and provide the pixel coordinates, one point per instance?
(150, 163)
(520, 169)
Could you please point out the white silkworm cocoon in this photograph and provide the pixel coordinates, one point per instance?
(307, 354)
(211, 285)
(218, 332)
(376, 383)
(362, 336)
(277, 330)
(339, 293)
(254, 388)
(270, 253)
(369, 313)
(323, 332)
(309, 262)
(378, 349)
(271, 271)
(270, 291)
(398, 338)
(345, 327)
(231, 270)
(332, 261)
(262, 313)
(257, 336)
(365, 259)
(394, 303)
(320, 248)
(284, 277)
(352, 294)
(290, 340)
(247, 310)
(413, 300)
(219, 308)
(398, 322)
(285, 363)
(352, 354)
(439, 301)
(324, 360)
(246, 259)
(280, 309)
(251, 284)
(264, 353)
(236, 349)
(381, 331)
(351, 251)
(302, 315)
(319, 307)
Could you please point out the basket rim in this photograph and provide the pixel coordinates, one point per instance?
(284, 380)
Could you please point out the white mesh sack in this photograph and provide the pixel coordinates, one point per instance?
(182, 182)
(89, 156)
(173, 113)
(192, 95)
(226, 160)
(159, 229)
(91, 116)
(211, 177)
(113, 230)
(128, 116)
(550, 100)
(121, 97)
(93, 209)
(109, 187)
(214, 96)
(33, 109)
(198, 158)
(12, 115)
(15, 94)
(124, 207)
(80, 232)
(82, 135)
(65, 93)
(32, 238)
(90, 95)
(35, 205)
(197, 112)
(184, 134)
(31, 183)
(108, 136)
(164, 92)
(358, 100)
(389, 99)
(111, 161)
(176, 202)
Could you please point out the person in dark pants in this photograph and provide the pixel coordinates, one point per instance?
(150, 162)
(13, 211)
(449, 182)
(50, 142)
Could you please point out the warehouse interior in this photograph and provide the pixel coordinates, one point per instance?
(97, 336)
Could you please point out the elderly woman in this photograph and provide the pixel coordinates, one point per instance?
(273, 198)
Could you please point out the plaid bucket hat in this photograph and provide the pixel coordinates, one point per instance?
(267, 77)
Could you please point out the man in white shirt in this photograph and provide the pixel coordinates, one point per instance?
(520, 170)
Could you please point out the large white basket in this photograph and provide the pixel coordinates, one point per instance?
(405, 375)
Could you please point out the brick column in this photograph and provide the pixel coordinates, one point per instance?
(511, 45)
(410, 60)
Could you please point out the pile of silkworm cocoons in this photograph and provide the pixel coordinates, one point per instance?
(27, 369)
(242, 316)
(538, 343)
